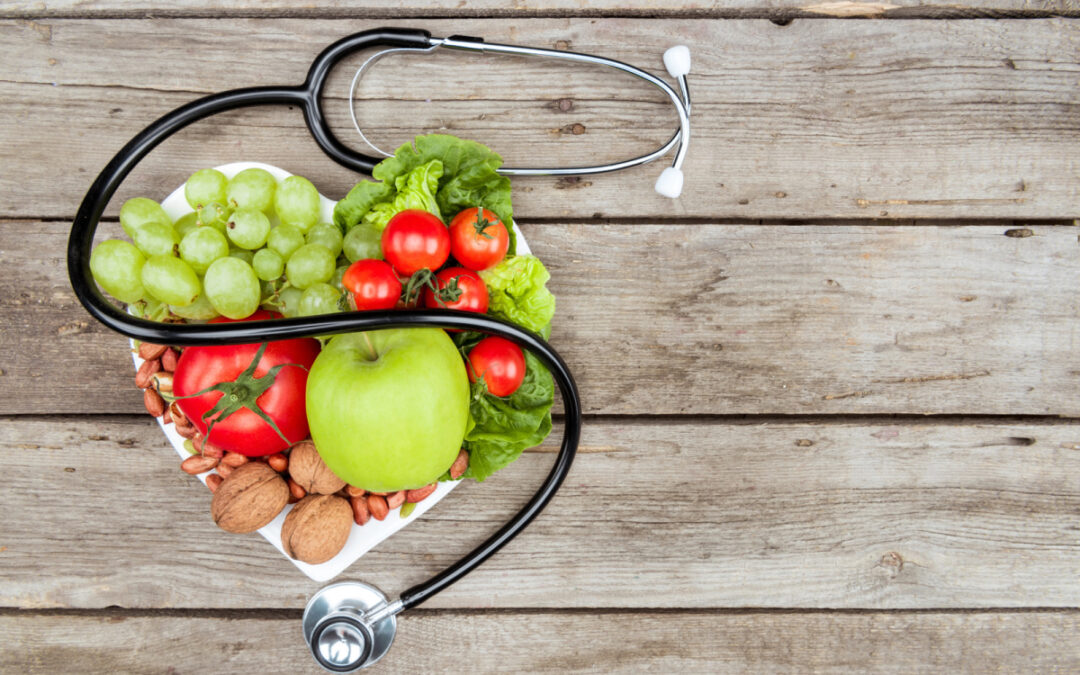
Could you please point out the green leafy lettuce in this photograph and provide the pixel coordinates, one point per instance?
(438, 173)
(517, 292)
(503, 427)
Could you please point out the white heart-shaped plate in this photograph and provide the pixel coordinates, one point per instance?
(361, 539)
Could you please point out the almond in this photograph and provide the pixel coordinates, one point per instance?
(225, 470)
(234, 459)
(161, 381)
(186, 430)
(360, 512)
(278, 462)
(205, 447)
(354, 491)
(297, 490)
(249, 498)
(213, 481)
(177, 413)
(457, 469)
(197, 464)
(166, 417)
(420, 494)
(146, 370)
(377, 506)
(155, 405)
(395, 499)
(310, 472)
(169, 359)
(149, 351)
(317, 528)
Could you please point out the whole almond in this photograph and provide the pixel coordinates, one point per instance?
(395, 499)
(155, 405)
(207, 448)
(149, 351)
(249, 498)
(278, 462)
(354, 491)
(186, 430)
(169, 359)
(420, 494)
(234, 459)
(360, 512)
(213, 481)
(166, 417)
(146, 370)
(177, 413)
(225, 470)
(457, 469)
(297, 490)
(309, 471)
(317, 528)
(377, 506)
(197, 464)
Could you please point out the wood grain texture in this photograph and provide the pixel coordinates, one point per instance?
(632, 642)
(891, 119)
(653, 514)
(695, 319)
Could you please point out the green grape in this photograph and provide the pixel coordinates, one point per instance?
(201, 309)
(140, 210)
(335, 280)
(232, 288)
(319, 298)
(214, 215)
(361, 242)
(156, 239)
(170, 280)
(186, 223)
(251, 189)
(284, 240)
(327, 235)
(289, 302)
(205, 186)
(117, 267)
(247, 228)
(149, 308)
(297, 202)
(310, 264)
(268, 264)
(201, 247)
(241, 254)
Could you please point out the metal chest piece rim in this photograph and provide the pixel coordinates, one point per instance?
(347, 626)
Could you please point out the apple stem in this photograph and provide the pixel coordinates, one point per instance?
(371, 347)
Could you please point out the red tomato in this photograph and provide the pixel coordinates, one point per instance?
(373, 284)
(244, 431)
(414, 240)
(500, 362)
(478, 239)
(473, 293)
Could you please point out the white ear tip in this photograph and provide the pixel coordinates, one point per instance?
(669, 184)
(677, 60)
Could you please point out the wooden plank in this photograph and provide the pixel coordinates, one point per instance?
(898, 514)
(558, 642)
(812, 119)
(778, 9)
(696, 319)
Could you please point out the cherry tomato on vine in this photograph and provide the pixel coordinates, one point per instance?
(373, 284)
(414, 240)
(500, 362)
(478, 239)
(469, 289)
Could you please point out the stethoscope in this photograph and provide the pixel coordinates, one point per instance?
(351, 625)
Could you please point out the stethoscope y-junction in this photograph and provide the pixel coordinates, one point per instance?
(351, 625)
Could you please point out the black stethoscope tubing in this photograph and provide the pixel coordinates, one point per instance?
(308, 97)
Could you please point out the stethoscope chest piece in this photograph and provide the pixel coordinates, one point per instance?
(349, 626)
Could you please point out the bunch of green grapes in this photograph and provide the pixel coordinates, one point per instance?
(250, 242)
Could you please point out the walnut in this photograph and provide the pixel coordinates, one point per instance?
(251, 496)
(310, 472)
(317, 527)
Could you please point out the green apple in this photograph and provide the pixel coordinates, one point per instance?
(388, 408)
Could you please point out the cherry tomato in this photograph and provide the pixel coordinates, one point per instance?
(473, 293)
(415, 239)
(478, 239)
(500, 362)
(283, 400)
(373, 284)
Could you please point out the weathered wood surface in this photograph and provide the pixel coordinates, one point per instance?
(780, 9)
(695, 319)
(654, 514)
(507, 642)
(862, 119)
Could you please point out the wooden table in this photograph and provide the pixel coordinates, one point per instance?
(830, 393)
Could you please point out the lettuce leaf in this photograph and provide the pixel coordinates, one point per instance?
(468, 179)
(503, 427)
(517, 293)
